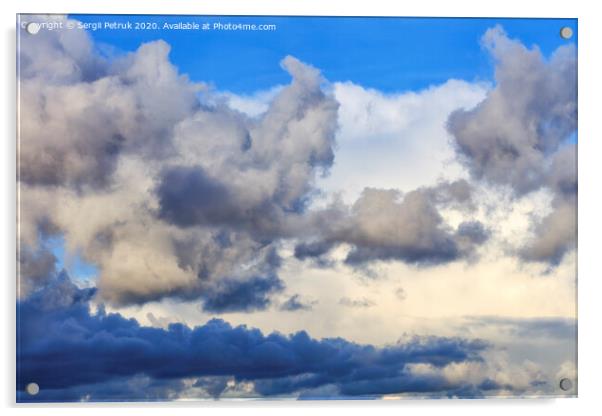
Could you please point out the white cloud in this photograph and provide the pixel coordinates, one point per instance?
(254, 104)
(396, 141)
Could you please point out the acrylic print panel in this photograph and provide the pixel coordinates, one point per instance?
(295, 207)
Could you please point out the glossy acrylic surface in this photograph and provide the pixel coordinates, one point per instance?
(295, 207)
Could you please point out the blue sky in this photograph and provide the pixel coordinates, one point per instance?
(184, 246)
(74, 264)
(384, 53)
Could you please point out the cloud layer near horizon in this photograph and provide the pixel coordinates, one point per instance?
(88, 350)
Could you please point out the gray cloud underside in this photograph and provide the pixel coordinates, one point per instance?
(296, 303)
(171, 195)
(74, 354)
(518, 135)
(174, 196)
(389, 225)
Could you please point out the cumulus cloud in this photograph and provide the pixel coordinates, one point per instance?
(36, 267)
(172, 193)
(531, 111)
(392, 136)
(68, 350)
(257, 170)
(519, 136)
(388, 225)
(77, 121)
(174, 190)
(167, 194)
(555, 235)
(59, 56)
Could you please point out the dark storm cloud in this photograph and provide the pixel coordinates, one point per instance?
(117, 389)
(247, 295)
(187, 196)
(317, 252)
(371, 382)
(312, 249)
(520, 136)
(215, 386)
(210, 260)
(68, 351)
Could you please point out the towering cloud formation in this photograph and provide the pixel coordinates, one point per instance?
(520, 135)
(251, 174)
(168, 195)
(173, 195)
